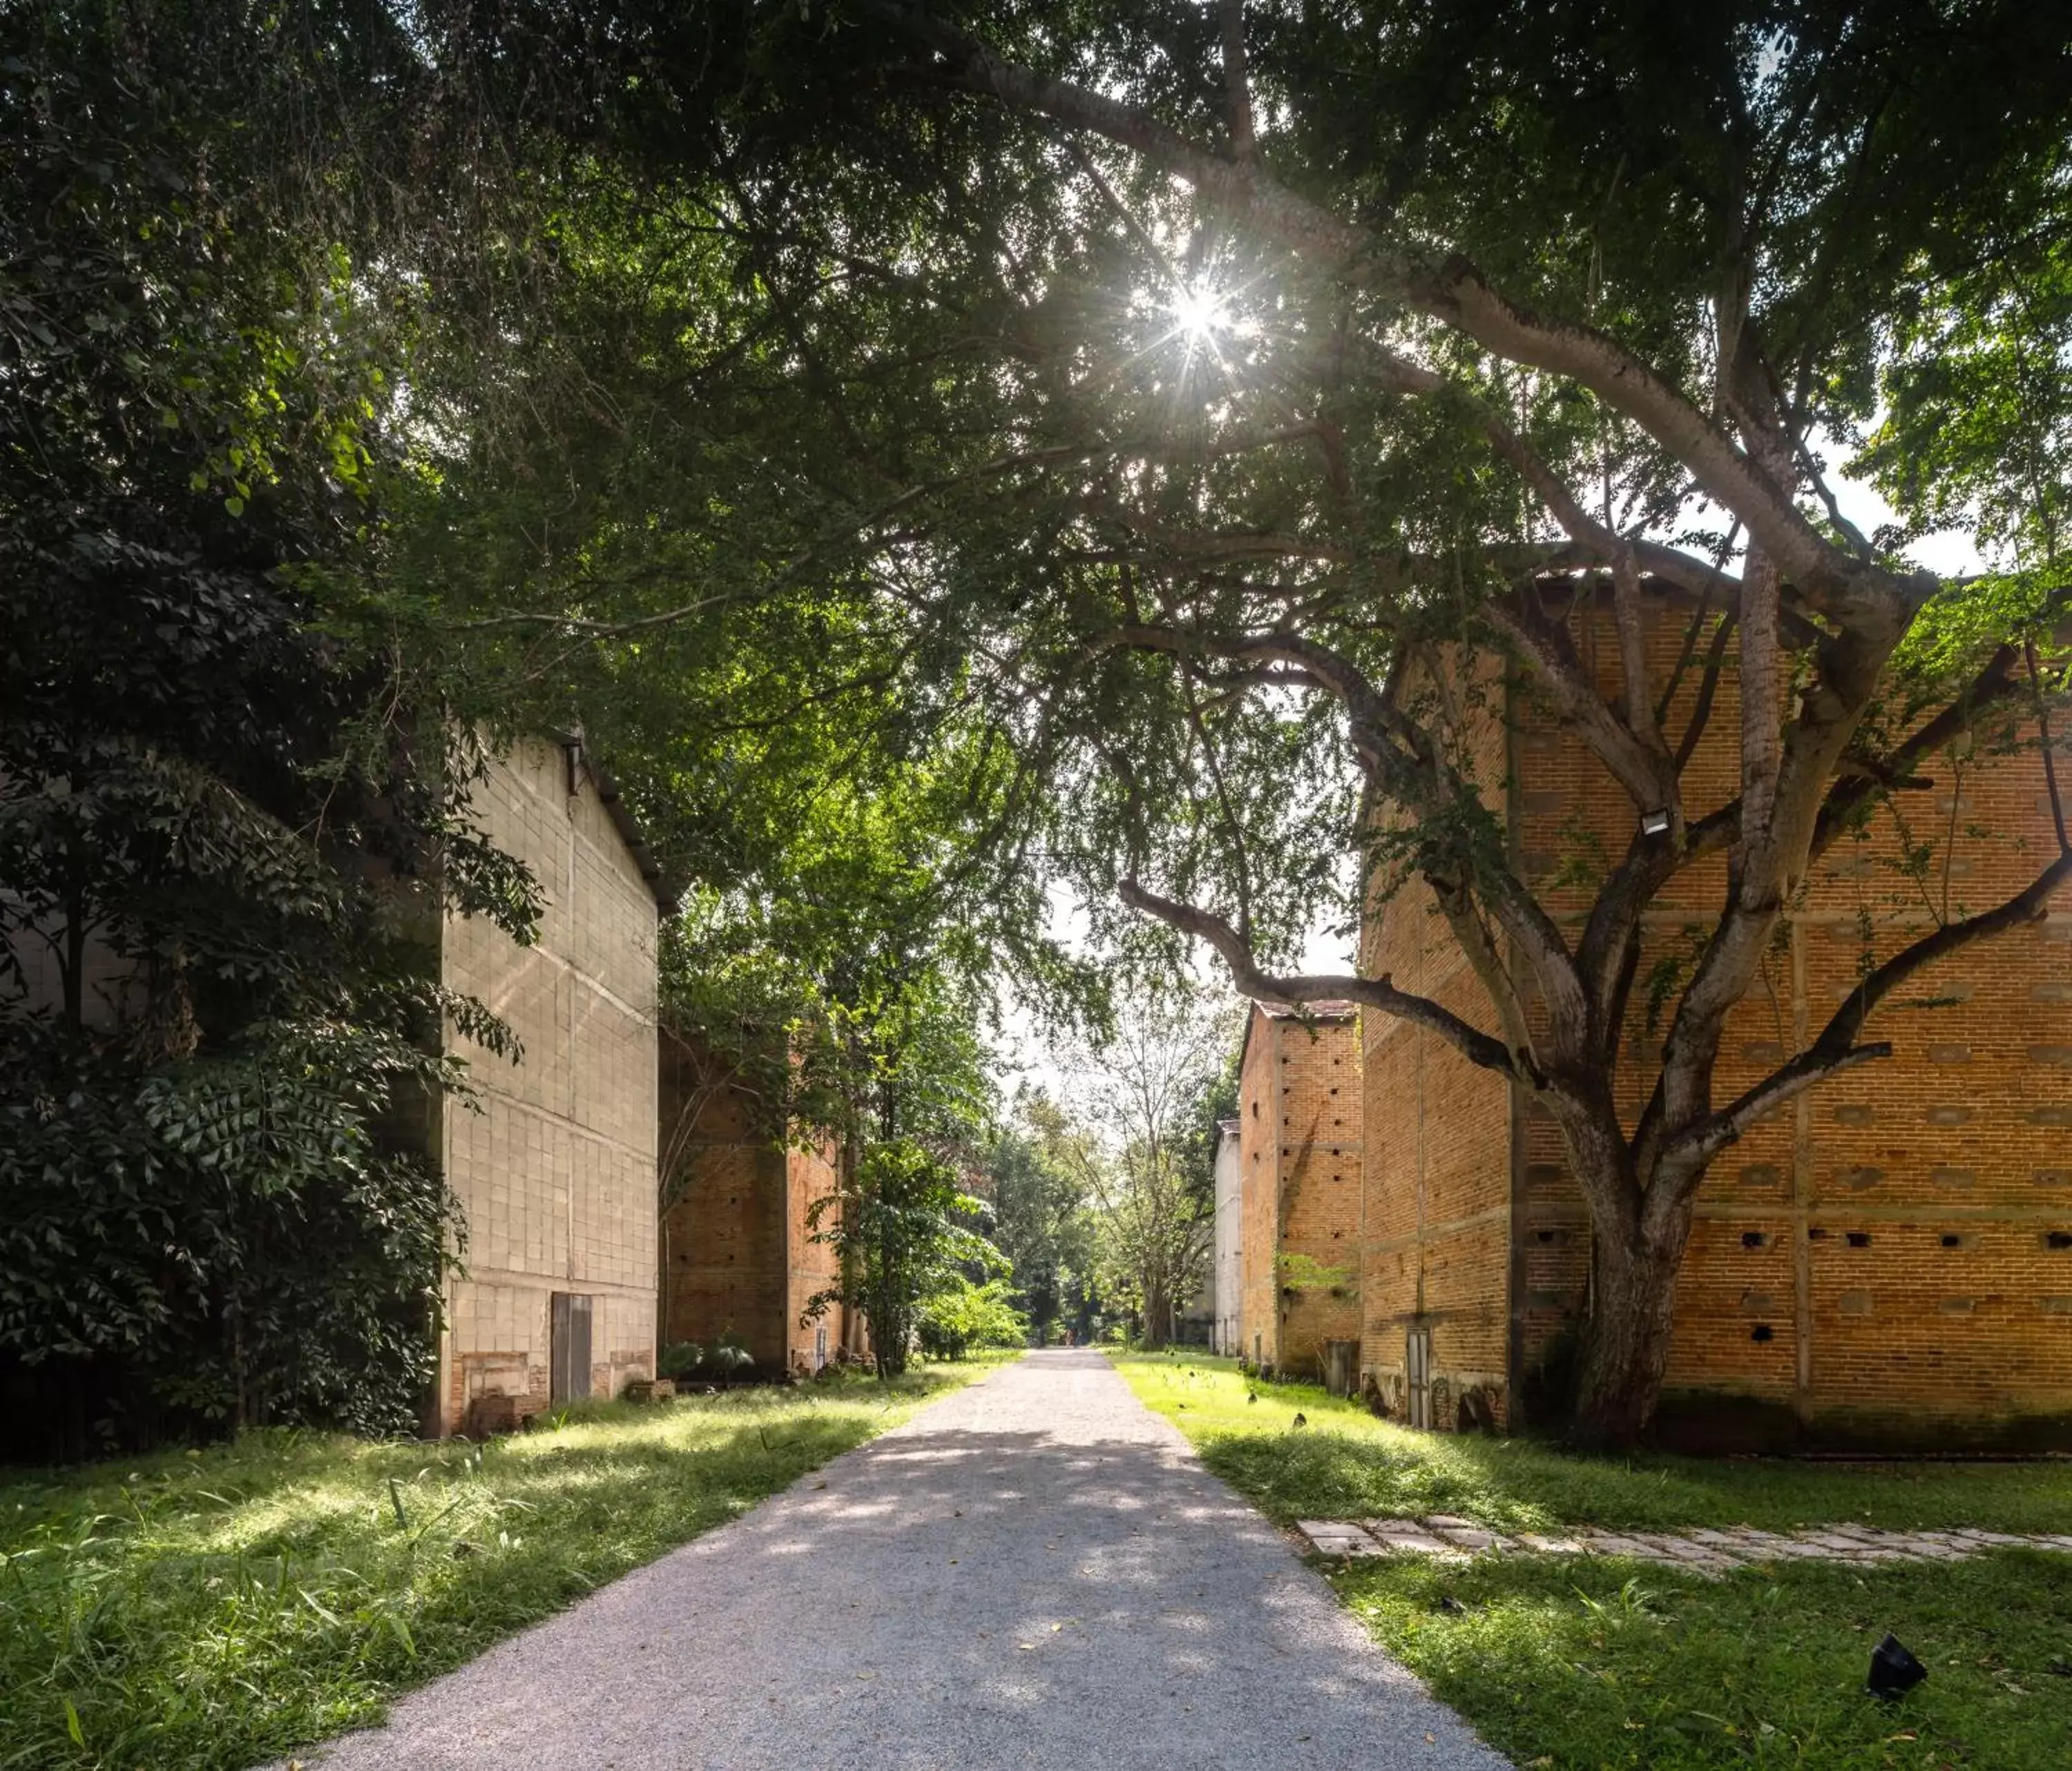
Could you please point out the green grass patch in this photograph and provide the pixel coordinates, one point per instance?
(208, 1610)
(1574, 1662)
(1595, 1663)
(1346, 1464)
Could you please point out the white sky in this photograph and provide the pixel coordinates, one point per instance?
(1024, 1053)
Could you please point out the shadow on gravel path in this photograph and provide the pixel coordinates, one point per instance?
(1035, 1571)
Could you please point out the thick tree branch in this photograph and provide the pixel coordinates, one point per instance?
(1237, 83)
(1405, 766)
(1478, 1047)
(1995, 682)
(1684, 1156)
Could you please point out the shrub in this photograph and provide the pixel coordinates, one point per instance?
(962, 1315)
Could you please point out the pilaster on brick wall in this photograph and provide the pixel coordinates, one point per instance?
(1299, 1161)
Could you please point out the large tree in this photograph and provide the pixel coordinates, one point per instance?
(218, 836)
(1187, 374)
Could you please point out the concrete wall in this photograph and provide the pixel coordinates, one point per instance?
(555, 1172)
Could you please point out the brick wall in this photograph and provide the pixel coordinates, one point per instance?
(1875, 1263)
(739, 1253)
(1227, 1285)
(1436, 1260)
(555, 1174)
(1259, 1163)
(810, 1266)
(1300, 1163)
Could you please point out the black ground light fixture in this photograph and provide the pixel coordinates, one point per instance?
(1654, 824)
(1894, 1669)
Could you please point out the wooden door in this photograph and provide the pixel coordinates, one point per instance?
(1417, 1371)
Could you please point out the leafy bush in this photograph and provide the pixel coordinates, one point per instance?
(678, 1359)
(963, 1315)
(219, 1007)
(723, 1362)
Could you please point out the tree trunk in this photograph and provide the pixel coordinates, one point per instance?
(1626, 1338)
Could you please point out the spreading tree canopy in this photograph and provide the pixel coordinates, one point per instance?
(1173, 378)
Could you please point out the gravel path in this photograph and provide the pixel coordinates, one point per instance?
(1034, 1571)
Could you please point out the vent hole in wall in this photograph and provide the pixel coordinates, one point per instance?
(1752, 1238)
(1762, 1331)
(1953, 1241)
(2058, 1238)
(1859, 1238)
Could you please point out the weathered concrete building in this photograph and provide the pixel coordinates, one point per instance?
(1299, 1159)
(555, 1171)
(740, 1254)
(1889, 1259)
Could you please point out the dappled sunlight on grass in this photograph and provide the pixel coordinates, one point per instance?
(208, 1609)
(1599, 1661)
(1346, 1464)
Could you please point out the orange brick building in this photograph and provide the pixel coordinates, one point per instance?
(1888, 1260)
(737, 1253)
(1299, 1192)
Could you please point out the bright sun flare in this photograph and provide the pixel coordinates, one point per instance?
(1198, 312)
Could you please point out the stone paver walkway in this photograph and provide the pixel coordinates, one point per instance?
(1709, 1552)
(1035, 1571)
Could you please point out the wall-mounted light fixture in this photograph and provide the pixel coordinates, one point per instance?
(1654, 824)
(572, 754)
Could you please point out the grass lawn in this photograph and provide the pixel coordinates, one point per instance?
(208, 1610)
(1575, 1663)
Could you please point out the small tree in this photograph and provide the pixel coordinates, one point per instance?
(961, 1314)
(1152, 1180)
(905, 1232)
(1040, 1216)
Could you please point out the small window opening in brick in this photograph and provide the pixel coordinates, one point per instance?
(1752, 1238)
(1549, 1235)
(1953, 1241)
(1859, 1238)
(1816, 1234)
(2058, 1238)
(1762, 1331)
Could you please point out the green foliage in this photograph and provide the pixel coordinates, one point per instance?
(905, 1232)
(214, 1019)
(215, 1610)
(1144, 1152)
(959, 1316)
(688, 1363)
(1301, 1273)
(1041, 1220)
